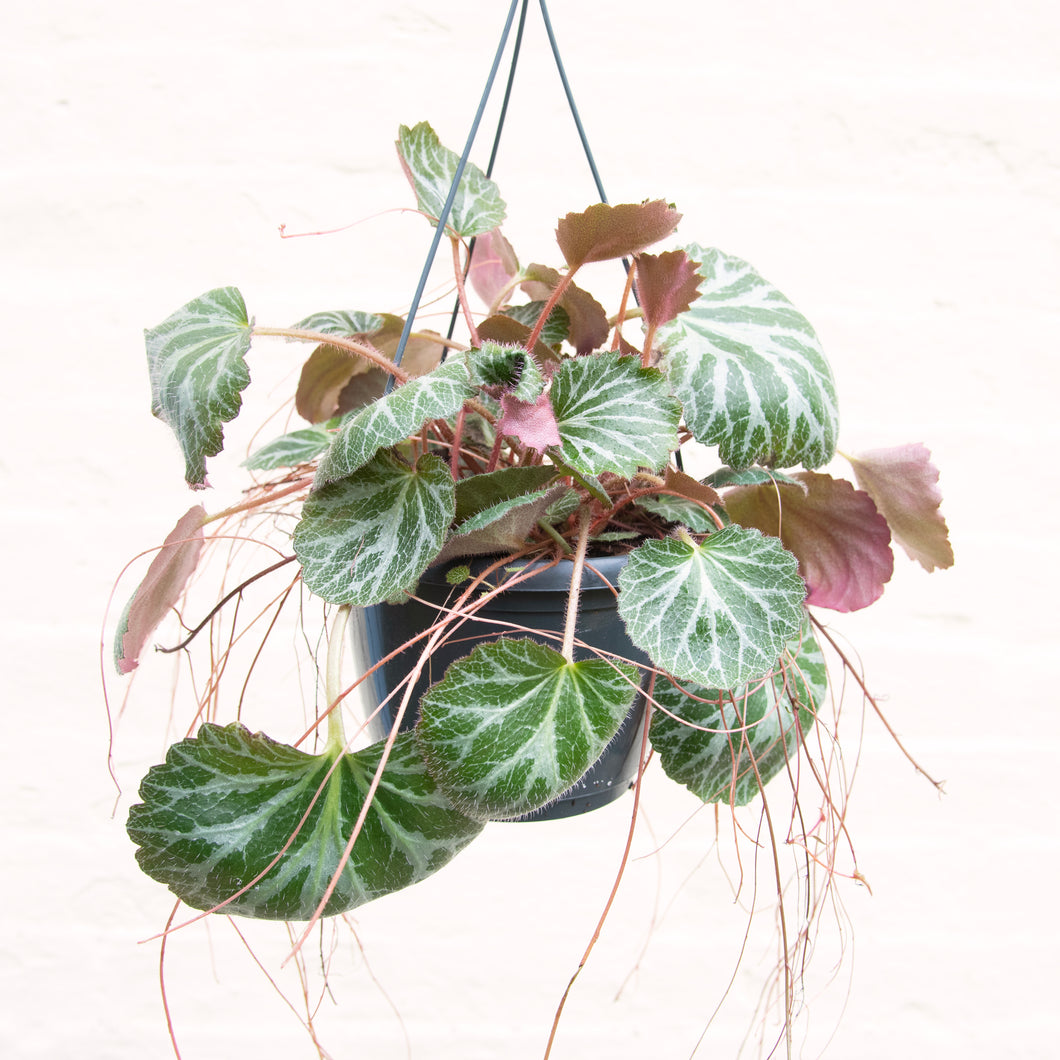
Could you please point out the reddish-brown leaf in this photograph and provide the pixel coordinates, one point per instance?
(904, 484)
(841, 541)
(161, 588)
(603, 232)
(667, 284)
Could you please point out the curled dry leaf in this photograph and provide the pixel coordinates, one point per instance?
(835, 532)
(161, 588)
(904, 484)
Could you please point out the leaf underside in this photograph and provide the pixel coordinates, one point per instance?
(223, 808)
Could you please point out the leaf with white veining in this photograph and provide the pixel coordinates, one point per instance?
(725, 746)
(613, 415)
(228, 806)
(296, 447)
(368, 538)
(749, 370)
(431, 169)
(195, 358)
(719, 612)
(513, 725)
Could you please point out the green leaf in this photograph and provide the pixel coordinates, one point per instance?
(556, 328)
(753, 732)
(481, 492)
(342, 322)
(506, 369)
(719, 612)
(368, 538)
(749, 476)
(749, 370)
(679, 510)
(431, 169)
(289, 450)
(613, 414)
(513, 725)
(394, 417)
(226, 802)
(198, 373)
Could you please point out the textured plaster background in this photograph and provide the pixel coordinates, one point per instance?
(893, 168)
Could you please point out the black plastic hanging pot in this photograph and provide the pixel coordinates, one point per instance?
(539, 604)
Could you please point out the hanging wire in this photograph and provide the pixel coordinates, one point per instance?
(447, 208)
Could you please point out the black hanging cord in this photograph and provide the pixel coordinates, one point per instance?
(447, 208)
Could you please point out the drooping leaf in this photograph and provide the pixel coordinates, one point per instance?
(368, 538)
(904, 484)
(166, 577)
(393, 418)
(749, 371)
(667, 284)
(493, 265)
(613, 414)
(503, 527)
(603, 232)
(431, 169)
(751, 733)
(839, 538)
(587, 327)
(513, 725)
(479, 493)
(198, 373)
(289, 450)
(225, 806)
(718, 613)
(335, 381)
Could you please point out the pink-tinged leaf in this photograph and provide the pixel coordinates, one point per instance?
(588, 320)
(603, 232)
(667, 284)
(904, 484)
(534, 424)
(510, 332)
(161, 588)
(841, 541)
(493, 266)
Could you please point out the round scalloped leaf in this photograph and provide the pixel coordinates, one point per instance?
(195, 358)
(513, 725)
(431, 169)
(749, 370)
(223, 808)
(613, 414)
(742, 739)
(719, 612)
(369, 537)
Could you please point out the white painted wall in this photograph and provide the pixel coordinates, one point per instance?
(893, 168)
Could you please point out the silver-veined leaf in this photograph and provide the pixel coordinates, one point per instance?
(719, 612)
(394, 417)
(613, 415)
(749, 370)
(198, 373)
(289, 450)
(431, 169)
(223, 808)
(736, 742)
(513, 725)
(368, 538)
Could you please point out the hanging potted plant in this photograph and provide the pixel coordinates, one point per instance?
(440, 489)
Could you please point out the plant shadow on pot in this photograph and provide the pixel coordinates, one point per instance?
(539, 604)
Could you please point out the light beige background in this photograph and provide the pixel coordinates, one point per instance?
(893, 168)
